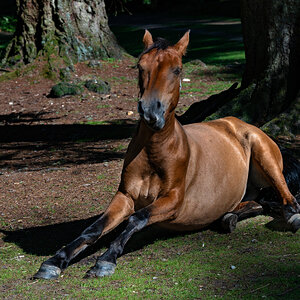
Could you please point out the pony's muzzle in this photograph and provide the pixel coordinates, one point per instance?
(152, 113)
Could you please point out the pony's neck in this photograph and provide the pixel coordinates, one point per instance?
(156, 145)
(160, 137)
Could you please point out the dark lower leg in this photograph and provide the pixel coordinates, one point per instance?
(53, 266)
(292, 216)
(106, 263)
(243, 211)
(119, 209)
(248, 209)
(271, 170)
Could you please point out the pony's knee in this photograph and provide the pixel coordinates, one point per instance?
(139, 219)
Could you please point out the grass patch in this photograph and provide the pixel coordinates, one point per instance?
(214, 40)
(120, 148)
(101, 106)
(92, 122)
(101, 177)
(168, 266)
(208, 80)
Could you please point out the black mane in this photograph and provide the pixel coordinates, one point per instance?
(159, 44)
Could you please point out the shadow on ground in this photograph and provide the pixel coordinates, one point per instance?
(35, 147)
(46, 240)
(55, 133)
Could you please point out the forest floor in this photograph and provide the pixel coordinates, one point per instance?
(60, 164)
(75, 144)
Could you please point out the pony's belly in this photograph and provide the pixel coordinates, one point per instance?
(216, 181)
(180, 226)
(198, 213)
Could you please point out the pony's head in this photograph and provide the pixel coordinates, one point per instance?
(160, 67)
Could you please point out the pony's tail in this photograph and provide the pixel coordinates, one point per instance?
(291, 172)
(268, 198)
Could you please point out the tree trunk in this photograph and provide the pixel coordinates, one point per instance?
(271, 31)
(75, 30)
(270, 84)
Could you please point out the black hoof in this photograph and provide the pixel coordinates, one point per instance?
(101, 269)
(294, 222)
(47, 272)
(289, 211)
(229, 222)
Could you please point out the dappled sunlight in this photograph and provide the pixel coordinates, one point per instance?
(210, 38)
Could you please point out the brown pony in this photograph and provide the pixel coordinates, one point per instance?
(181, 177)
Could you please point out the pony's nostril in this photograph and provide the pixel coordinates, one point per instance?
(158, 104)
(153, 119)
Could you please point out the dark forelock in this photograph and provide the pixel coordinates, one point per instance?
(159, 44)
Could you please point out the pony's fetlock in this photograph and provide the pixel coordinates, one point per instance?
(101, 269)
(229, 222)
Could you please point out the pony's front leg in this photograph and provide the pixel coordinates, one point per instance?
(162, 209)
(120, 208)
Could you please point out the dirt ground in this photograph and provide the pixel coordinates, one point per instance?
(61, 158)
(54, 165)
(60, 165)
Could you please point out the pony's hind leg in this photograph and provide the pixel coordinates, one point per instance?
(243, 211)
(266, 163)
(120, 208)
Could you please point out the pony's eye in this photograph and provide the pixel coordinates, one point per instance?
(177, 71)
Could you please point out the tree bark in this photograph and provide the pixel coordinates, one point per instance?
(271, 31)
(270, 84)
(75, 30)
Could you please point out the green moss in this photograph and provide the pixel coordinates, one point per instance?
(18, 72)
(238, 107)
(61, 89)
(48, 72)
(286, 124)
(97, 86)
(10, 75)
(14, 60)
(65, 74)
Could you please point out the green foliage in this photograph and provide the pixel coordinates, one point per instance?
(100, 106)
(8, 23)
(121, 147)
(48, 71)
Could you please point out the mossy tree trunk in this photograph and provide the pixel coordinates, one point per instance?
(271, 31)
(271, 81)
(75, 30)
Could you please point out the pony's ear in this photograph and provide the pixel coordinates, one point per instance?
(183, 43)
(147, 39)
